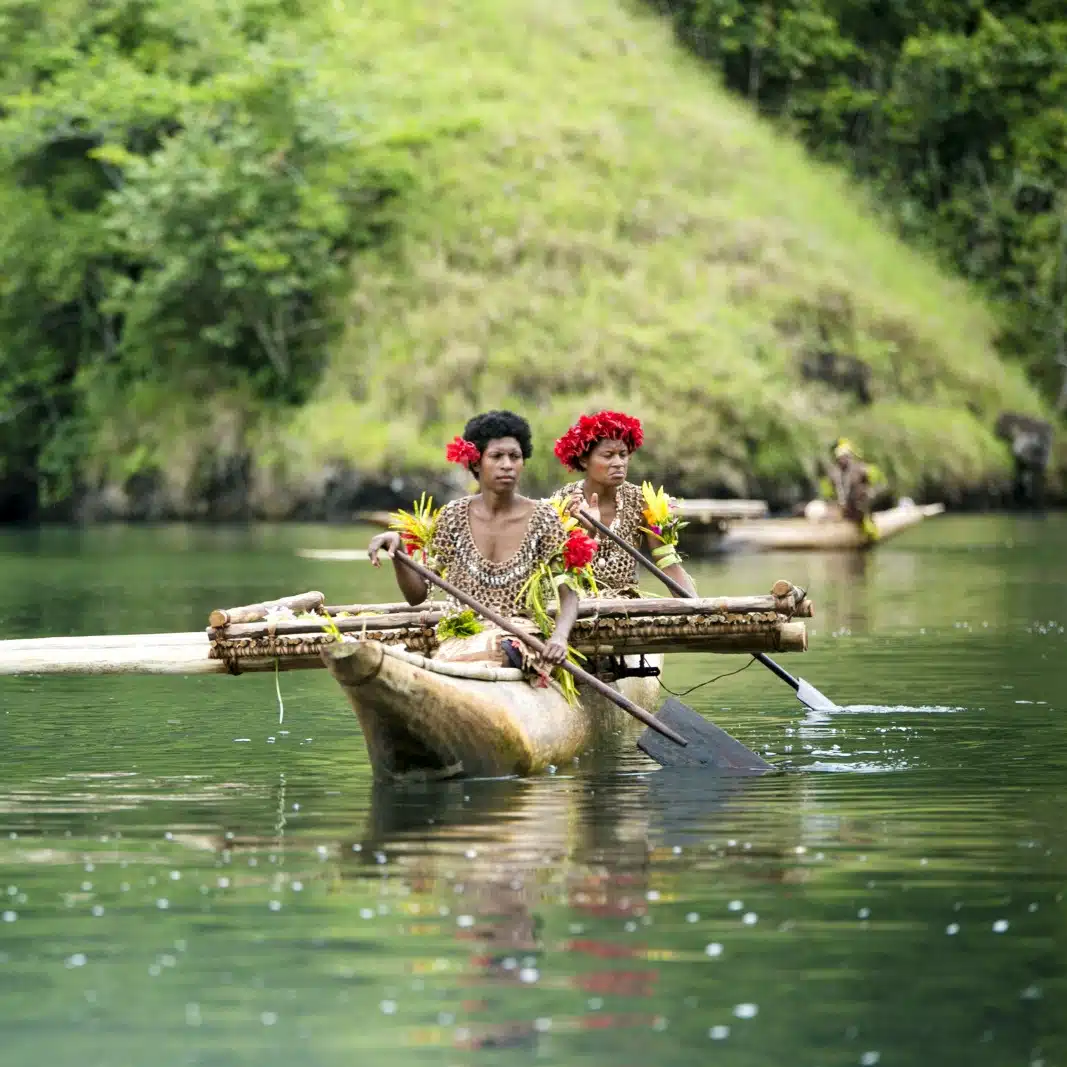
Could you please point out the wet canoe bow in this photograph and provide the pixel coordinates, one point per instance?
(424, 718)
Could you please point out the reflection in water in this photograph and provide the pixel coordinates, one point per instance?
(571, 844)
(604, 849)
(848, 575)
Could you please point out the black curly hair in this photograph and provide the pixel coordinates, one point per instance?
(491, 425)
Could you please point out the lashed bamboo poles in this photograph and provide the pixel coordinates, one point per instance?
(244, 641)
(589, 636)
(622, 607)
(194, 653)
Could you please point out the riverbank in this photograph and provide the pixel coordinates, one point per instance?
(340, 495)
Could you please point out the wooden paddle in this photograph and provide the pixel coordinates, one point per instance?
(537, 645)
(807, 694)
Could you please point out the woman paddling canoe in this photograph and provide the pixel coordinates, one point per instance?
(599, 447)
(491, 545)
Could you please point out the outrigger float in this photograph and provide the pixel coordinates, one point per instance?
(430, 718)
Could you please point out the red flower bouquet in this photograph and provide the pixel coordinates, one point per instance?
(578, 550)
(569, 565)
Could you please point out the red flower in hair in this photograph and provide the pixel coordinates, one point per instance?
(462, 452)
(578, 550)
(584, 434)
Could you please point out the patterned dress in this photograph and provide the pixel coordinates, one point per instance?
(496, 585)
(615, 571)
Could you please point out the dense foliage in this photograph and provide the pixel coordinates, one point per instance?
(179, 198)
(954, 111)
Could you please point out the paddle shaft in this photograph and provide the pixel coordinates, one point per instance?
(538, 646)
(678, 589)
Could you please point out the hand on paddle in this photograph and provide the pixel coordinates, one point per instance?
(555, 651)
(411, 585)
(578, 503)
(388, 541)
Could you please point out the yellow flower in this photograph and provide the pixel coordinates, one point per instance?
(658, 505)
(417, 527)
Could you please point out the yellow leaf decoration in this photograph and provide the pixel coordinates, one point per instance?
(664, 523)
(657, 505)
(417, 527)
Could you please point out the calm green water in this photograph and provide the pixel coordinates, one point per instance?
(184, 881)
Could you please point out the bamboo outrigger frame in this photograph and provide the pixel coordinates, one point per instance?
(245, 639)
(424, 717)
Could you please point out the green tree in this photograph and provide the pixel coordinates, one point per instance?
(179, 198)
(952, 111)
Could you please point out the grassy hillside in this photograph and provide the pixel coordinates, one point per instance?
(594, 223)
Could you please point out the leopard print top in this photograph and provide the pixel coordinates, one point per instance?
(615, 572)
(496, 585)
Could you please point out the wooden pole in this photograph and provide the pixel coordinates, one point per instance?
(188, 654)
(100, 642)
(726, 640)
(374, 609)
(254, 612)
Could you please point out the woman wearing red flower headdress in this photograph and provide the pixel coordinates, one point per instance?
(490, 544)
(600, 446)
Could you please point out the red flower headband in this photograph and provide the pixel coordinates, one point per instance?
(589, 429)
(462, 452)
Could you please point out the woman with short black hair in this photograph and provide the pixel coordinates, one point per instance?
(490, 543)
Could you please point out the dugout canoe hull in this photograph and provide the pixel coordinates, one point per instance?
(422, 718)
(800, 534)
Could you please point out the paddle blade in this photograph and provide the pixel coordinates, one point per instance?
(810, 697)
(709, 746)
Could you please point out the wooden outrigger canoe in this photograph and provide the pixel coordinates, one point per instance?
(433, 717)
(430, 718)
(802, 534)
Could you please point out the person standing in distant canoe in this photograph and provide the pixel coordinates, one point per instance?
(599, 447)
(851, 480)
(491, 544)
